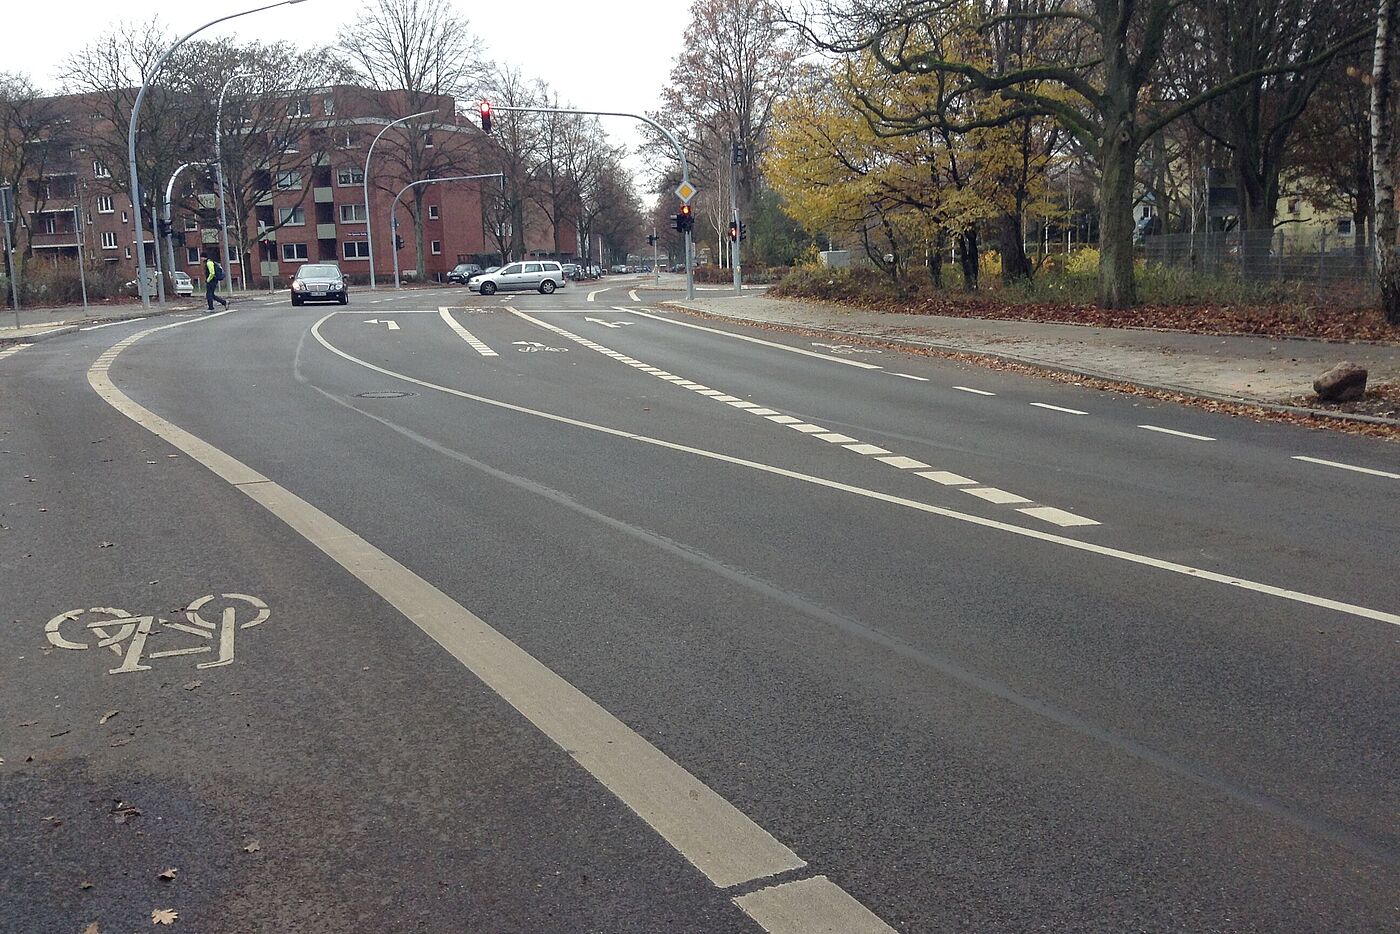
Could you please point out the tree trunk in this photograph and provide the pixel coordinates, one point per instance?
(935, 261)
(1015, 265)
(1383, 160)
(1118, 156)
(969, 260)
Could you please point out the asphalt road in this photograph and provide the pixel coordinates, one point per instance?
(576, 613)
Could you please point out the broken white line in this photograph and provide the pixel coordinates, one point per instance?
(1367, 470)
(1173, 431)
(1057, 408)
(979, 392)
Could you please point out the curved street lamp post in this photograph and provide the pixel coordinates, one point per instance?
(394, 210)
(364, 184)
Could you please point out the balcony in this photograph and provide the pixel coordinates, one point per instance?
(54, 241)
(325, 232)
(207, 202)
(323, 195)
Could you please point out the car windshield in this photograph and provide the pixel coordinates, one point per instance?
(319, 272)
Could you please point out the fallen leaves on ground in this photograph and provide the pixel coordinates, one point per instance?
(105, 544)
(164, 916)
(92, 929)
(107, 716)
(123, 812)
(1381, 401)
(252, 846)
(85, 886)
(190, 686)
(169, 874)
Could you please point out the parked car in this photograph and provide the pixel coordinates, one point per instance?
(184, 285)
(462, 272)
(545, 275)
(620, 269)
(572, 271)
(320, 282)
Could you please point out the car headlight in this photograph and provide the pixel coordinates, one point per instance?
(298, 286)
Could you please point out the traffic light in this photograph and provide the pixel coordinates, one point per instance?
(685, 220)
(163, 228)
(398, 242)
(486, 116)
(651, 239)
(743, 231)
(211, 178)
(733, 230)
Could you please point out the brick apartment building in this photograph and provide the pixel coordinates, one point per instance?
(312, 212)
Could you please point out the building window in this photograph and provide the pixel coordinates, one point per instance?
(99, 170)
(328, 105)
(1344, 226)
(350, 177)
(284, 144)
(292, 217)
(437, 247)
(346, 140)
(432, 212)
(104, 204)
(50, 224)
(288, 180)
(356, 249)
(191, 256)
(1294, 205)
(126, 218)
(294, 252)
(427, 141)
(352, 213)
(299, 108)
(109, 240)
(191, 223)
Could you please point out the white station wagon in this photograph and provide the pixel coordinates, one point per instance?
(542, 275)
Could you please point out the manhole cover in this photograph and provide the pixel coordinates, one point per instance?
(384, 394)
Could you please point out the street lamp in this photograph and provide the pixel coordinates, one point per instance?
(364, 184)
(394, 209)
(131, 139)
(219, 175)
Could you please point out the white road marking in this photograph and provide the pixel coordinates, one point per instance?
(98, 327)
(755, 340)
(946, 478)
(992, 495)
(1240, 583)
(979, 392)
(1057, 516)
(609, 324)
(763, 412)
(867, 449)
(593, 296)
(807, 428)
(835, 437)
(922, 379)
(632, 294)
(1366, 470)
(12, 350)
(477, 345)
(783, 419)
(810, 906)
(1173, 431)
(716, 837)
(903, 463)
(393, 325)
(1057, 408)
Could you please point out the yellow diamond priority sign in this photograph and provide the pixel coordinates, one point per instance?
(685, 191)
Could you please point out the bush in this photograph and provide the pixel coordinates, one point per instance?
(853, 284)
(58, 283)
(1083, 262)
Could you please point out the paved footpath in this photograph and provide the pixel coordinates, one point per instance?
(1253, 369)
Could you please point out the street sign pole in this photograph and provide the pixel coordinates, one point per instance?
(82, 273)
(7, 214)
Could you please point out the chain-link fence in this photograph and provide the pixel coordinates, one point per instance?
(1260, 256)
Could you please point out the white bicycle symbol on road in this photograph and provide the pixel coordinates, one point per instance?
(126, 635)
(845, 350)
(536, 347)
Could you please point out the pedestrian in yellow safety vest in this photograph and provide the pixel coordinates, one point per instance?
(213, 275)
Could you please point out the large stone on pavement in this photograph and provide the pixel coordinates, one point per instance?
(1345, 382)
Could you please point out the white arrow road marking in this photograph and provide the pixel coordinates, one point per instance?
(393, 325)
(593, 296)
(632, 294)
(609, 324)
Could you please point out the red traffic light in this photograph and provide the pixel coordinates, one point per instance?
(486, 116)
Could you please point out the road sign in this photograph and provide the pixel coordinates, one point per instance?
(685, 191)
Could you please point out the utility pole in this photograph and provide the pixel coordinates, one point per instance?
(364, 184)
(219, 172)
(7, 213)
(736, 156)
(78, 235)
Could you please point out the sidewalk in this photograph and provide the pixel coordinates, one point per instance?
(1236, 369)
(42, 323)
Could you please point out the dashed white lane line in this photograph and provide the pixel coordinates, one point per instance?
(12, 350)
(854, 445)
(975, 392)
(632, 294)
(477, 345)
(1173, 431)
(860, 364)
(1366, 470)
(922, 379)
(946, 478)
(1058, 408)
(1056, 516)
(98, 327)
(1073, 544)
(716, 837)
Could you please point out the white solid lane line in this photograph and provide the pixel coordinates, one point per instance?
(1057, 408)
(716, 837)
(754, 340)
(98, 327)
(1366, 470)
(1172, 567)
(477, 345)
(977, 392)
(809, 906)
(1173, 431)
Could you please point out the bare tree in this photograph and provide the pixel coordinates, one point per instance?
(515, 153)
(1383, 153)
(425, 53)
(34, 138)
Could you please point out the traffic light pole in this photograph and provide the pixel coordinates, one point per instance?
(364, 184)
(165, 214)
(680, 154)
(734, 249)
(394, 208)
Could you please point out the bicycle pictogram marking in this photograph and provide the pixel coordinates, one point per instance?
(127, 635)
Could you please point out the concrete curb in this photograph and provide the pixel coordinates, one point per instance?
(1065, 369)
(68, 327)
(58, 330)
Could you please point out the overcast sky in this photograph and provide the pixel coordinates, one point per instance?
(608, 55)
